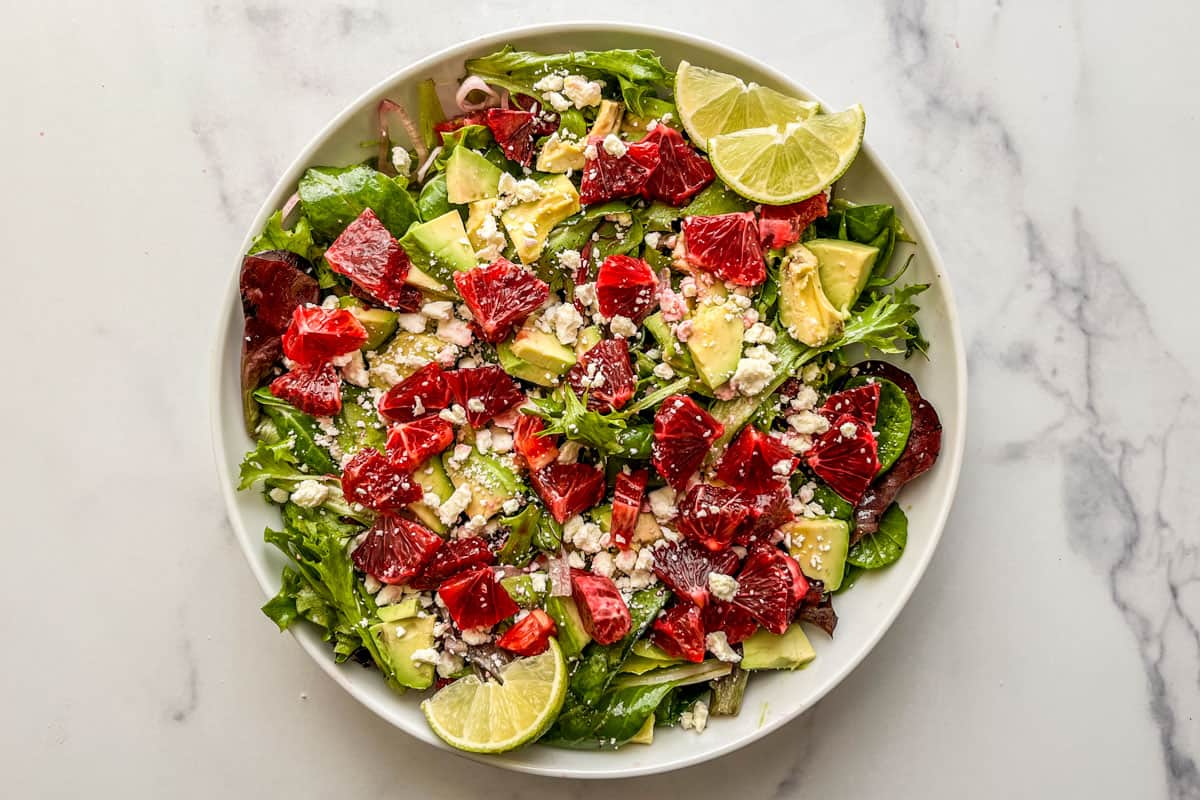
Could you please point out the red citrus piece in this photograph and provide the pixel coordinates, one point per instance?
(626, 286)
(628, 493)
(847, 461)
(736, 623)
(318, 334)
(681, 172)
(568, 489)
(683, 434)
(530, 635)
(779, 226)
(604, 374)
(476, 599)
(768, 513)
(500, 296)
(371, 478)
(609, 177)
(454, 556)
(395, 549)
(685, 566)
(424, 391)
(315, 390)
(767, 587)
(861, 402)
(514, 131)
(713, 515)
(603, 610)
(726, 245)
(483, 392)
(367, 254)
(537, 450)
(680, 631)
(411, 444)
(756, 462)
(461, 121)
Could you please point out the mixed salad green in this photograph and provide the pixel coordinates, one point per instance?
(562, 400)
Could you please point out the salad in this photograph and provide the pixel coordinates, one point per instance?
(568, 397)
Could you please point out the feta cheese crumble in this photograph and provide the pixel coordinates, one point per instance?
(723, 586)
(718, 645)
(310, 493)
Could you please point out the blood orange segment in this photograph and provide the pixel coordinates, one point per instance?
(767, 588)
(626, 286)
(685, 566)
(780, 226)
(314, 390)
(681, 172)
(683, 434)
(736, 623)
(411, 444)
(316, 335)
(537, 450)
(529, 636)
(476, 599)
(680, 632)
(500, 296)
(612, 177)
(605, 375)
(367, 254)
(568, 489)
(861, 402)
(726, 245)
(424, 391)
(712, 515)
(373, 479)
(603, 611)
(395, 549)
(628, 493)
(514, 131)
(484, 392)
(756, 462)
(453, 557)
(846, 457)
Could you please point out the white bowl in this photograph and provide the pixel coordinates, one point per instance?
(865, 612)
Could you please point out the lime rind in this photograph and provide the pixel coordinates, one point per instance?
(711, 103)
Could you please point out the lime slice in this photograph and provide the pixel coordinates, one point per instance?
(711, 103)
(785, 164)
(489, 717)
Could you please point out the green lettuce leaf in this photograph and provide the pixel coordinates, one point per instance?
(333, 197)
(290, 423)
(274, 236)
(886, 545)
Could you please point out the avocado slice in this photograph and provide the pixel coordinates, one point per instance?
(645, 734)
(380, 323)
(522, 591)
(443, 242)
(572, 636)
(844, 268)
(766, 650)
(477, 212)
(519, 368)
(586, 339)
(542, 349)
(528, 224)
(427, 283)
(405, 353)
(417, 635)
(819, 546)
(804, 309)
(492, 483)
(560, 155)
(410, 606)
(608, 118)
(470, 177)
(431, 476)
(716, 342)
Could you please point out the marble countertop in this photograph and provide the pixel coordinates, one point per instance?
(1053, 648)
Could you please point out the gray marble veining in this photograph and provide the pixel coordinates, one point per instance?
(1053, 648)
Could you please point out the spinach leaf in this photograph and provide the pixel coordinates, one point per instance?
(429, 112)
(833, 504)
(321, 585)
(600, 663)
(617, 240)
(716, 198)
(883, 547)
(660, 217)
(849, 577)
(681, 699)
(609, 723)
(333, 197)
(293, 424)
(638, 72)
(434, 200)
(893, 420)
(274, 236)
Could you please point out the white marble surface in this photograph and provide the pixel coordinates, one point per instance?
(1053, 649)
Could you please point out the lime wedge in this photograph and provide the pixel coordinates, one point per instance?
(785, 164)
(711, 103)
(489, 717)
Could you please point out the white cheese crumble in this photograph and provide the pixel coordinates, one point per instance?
(355, 370)
(476, 405)
(476, 636)
(511, 506)
(575, 559)
(550, 83)
(585, 536)
(438, 309)
(759, 333)
(502, 441)
(603, 564)
(569, 260)
(722, 586)
(483, 439)
(427, 655)
(455, 415)
(492, 237)
(752, 376)
(580, 91)
(389, 595)
(402, 161)
(614, 146)
(848, 429)
(718, 645)
(566, 321)
(310, 493)
(808, 422)
(568, 452)
(664, 371)
(448, 664)
(454, 331)
(454, 505)
(278, 495)
(527, 190)
(662, 504)
(622, 327)
(696, 719)
(412, 323)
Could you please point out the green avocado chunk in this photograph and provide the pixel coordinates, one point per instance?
(401, 639)
(431, 476)
(572, 637)
(441, 245)
(491, 482)
(844, 268)
(542, 349)
(716, 342)
(520, 368)
(766, 650)
(819, 547)
(804, 310)
(470, 177)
